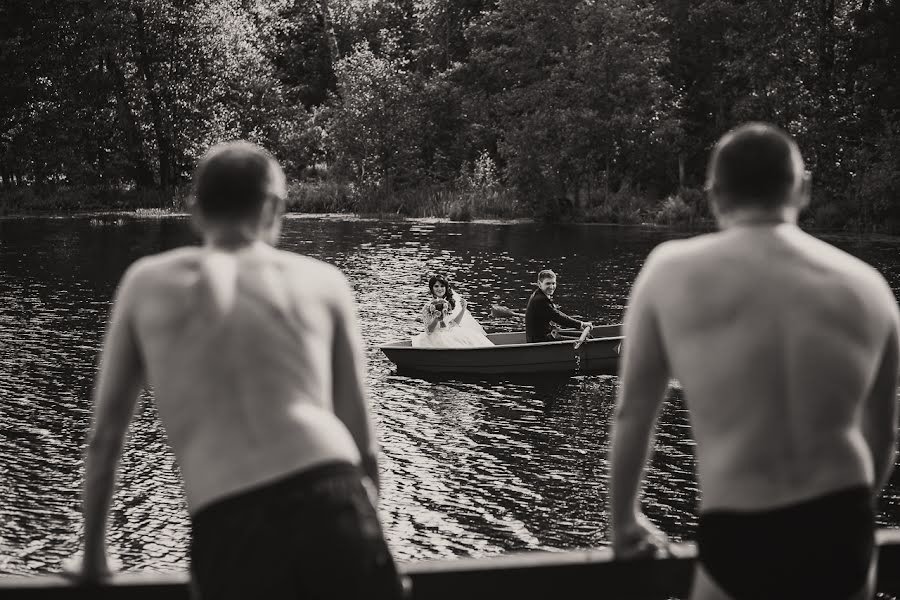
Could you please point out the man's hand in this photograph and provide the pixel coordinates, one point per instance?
(93, 570)
(639, 539)
(587, 325)
(371, 490)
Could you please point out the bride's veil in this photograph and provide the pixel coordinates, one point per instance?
(468, 321)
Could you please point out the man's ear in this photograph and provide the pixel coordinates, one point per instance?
(272, 210)
(714, 203)
(198, 222)
(804, 192)
(270, 218)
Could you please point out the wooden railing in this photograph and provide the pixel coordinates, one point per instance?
(523, 576)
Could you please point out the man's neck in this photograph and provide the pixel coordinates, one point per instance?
(229, 240)
(756, 217)
(232, 236)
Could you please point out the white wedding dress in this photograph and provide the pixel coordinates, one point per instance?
(468, 333)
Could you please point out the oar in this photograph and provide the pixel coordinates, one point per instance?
(502, 311)
(584, 336)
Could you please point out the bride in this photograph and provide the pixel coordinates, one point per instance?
(448, 324)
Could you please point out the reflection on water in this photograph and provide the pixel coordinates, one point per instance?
(470, 467)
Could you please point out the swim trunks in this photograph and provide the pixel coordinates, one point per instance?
(820, 548)
(311, 535)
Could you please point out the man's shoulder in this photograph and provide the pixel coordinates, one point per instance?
(537, 297)
(316, 280)
(840, 259)
(149, 276)
(162, 264)
(672, 256)
(857, 272)
(685, 248)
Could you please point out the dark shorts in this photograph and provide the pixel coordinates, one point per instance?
(311, 535)
(821, 548)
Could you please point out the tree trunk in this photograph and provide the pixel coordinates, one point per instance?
(325, 11)
(606, 173)
(134, 147)
(850, 82)
(826, 47)
(166, 164)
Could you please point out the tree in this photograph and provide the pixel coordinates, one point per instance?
(376, 119)
(576, 93)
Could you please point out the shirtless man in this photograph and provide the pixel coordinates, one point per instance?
(787, 351)
(257, 369)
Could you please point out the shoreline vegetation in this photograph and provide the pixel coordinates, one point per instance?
(685, 210)
(568, 111)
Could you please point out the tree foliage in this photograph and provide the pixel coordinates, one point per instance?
(376, 121)
(577, 103)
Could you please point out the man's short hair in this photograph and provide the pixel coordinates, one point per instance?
(546, 274)
(756, 164)
(233, 180)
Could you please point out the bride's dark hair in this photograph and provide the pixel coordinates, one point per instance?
(448, 289)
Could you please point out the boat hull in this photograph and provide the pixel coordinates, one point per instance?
(511, 355)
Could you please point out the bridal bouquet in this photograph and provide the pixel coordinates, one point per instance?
(437, 307)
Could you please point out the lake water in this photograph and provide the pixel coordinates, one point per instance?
(470, 468)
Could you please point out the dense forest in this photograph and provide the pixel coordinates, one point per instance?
(589, 109)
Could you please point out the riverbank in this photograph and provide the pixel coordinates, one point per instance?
(458, 202)
(686, 210)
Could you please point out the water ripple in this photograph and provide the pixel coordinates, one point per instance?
(470, 468)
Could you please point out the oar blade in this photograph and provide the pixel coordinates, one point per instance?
(584, 335)
(501, 311)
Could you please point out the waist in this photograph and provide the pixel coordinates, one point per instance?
(761, 494)
(753, 472)
(220, 457)
(224, 480)
(290, 487)
(820, 508)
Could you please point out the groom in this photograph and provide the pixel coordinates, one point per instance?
(541, 312)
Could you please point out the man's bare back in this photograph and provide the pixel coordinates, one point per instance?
(773, 336)
(232, 342)
(788, 351)
(257, 368)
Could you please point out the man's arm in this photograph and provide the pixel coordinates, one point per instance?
(561, 318)
(879, 418)
(349, 377)
(119, 382)
(643, 377)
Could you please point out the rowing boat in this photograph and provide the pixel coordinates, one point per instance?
(511, 355)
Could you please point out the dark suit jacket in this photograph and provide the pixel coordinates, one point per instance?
(540, 313)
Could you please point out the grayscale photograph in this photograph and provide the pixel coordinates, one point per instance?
(450, 299)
